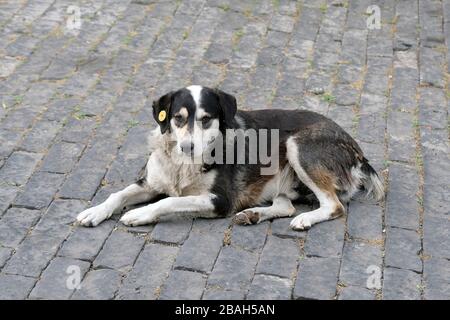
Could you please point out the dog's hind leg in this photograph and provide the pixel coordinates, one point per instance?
(322, 183)
(281, 207)
(133, 194)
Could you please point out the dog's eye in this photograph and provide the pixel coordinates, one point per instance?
(206, 119)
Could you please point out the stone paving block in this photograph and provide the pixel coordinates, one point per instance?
(431, 72)
(46, 183)
(346, 96)
(15, 224)
(371, 127)
(172, 231)
(211, 226)
(40, 136)
(85, 243)
(358, 259)
(220, 294)
(15, 287)
(279, 257)
(56, 282)
(317, 278)
(234, 269)
(402, 209)
(400, 284)
(403, 249)
(199, 252)
(19, 167)
(436, 275)
(432, 111)
(435, 237)
(5, 253)
(340, 115)
(98, 285)
(62, 157)
(364, 221)
(435, 199)
(84, 180)
(356, 293)
(183, 285)
(433, 145)
(250, 238)
(282, 23)
(326, 239)
(149, 273)
(265, 287)
(33, 255)
(7, 195)
(8, 140)
(119, 251)
(401, 140)
(78, 128)
(59, 216)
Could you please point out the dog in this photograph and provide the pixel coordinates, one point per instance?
(313, 155)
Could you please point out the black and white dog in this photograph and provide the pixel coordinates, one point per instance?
(312, 152)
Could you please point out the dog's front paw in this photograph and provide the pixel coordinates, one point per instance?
(137, 217)
(246, 217)
(301, 222)
(93, 216)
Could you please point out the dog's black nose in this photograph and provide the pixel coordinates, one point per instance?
(187, 147)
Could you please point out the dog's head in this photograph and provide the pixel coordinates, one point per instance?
(194, 116)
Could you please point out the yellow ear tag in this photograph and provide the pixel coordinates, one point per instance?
(162, 116)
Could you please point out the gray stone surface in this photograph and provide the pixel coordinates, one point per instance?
(15, 287)
(326, 239)
(403, 249)
(56, 282)
(436, 275)
(317, 278)
(356, 293)
(279, 257)
(172, 231)
(234, 269)
(98, 285)
(62, 157)
(75, 113)
(251, 237)
(265, 287)
(182, 285)
(358, 260)
(46, 183)
(149, 273)
(19, 167)
(15, 224)
(199, 258)
(86, 243)
(119, 251)
(400, 284)
(5, 253)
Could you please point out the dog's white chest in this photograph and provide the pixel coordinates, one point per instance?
(175, 179)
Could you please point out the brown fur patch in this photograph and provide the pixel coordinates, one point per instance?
(326, 181)
(249, 197)
(339, 211)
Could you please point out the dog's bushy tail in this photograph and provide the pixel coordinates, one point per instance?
(372, 182)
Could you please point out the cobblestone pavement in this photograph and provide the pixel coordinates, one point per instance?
(75, 111)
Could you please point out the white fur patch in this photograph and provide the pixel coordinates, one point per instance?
(196, 93)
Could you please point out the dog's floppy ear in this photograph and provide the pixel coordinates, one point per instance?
(161, 111)
(228, 105)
